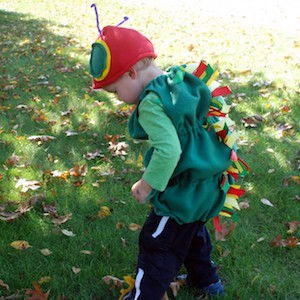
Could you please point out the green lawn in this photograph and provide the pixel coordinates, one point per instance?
(67, 163)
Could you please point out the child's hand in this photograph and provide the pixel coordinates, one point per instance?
(140, 191)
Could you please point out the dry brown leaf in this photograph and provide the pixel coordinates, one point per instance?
(293, 226)
(244, 205)
(120, 225)
(40, 139)
(4, 285)
(61, 219)
(225, 231)
(78, 171)
(37, 294)
(113, 281)
(289, 242)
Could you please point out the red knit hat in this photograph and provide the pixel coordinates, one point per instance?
(115, 52)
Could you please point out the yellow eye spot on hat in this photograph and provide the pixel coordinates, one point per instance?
(100, 60)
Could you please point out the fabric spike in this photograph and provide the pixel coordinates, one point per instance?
(200, 69)
(234, 156)
(241, 167)
(217, 223)
(225, 185)
(225, 214)
(207, 74)
(245, 166)
(216, 103)
(232, 202)
(222, 134)
(221, 91)
(217, 117)
(234, 175)
(235, 191)
(231, 139)
(212, 78)
(215, 112)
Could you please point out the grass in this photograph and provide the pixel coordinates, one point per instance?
(46, 91)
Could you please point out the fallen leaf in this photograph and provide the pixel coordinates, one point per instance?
(244, 204)
(37, 294)
(10, 216)
(44, 279)
(76, 270)
(104, 212)
(50, 209)
(289, 242)
(28, 184)
(293, 226)
(4, 285)
(87, 252)
(261, 239)
(78, 171)
(225, 231)
(134, 227)
(68, 233)
(93, 155)
(113, 281)
(130, 281)
(175, 286)
(120, 225)
(291, 179)
(41, 139)
(266, 202)
(36, 198)
(61, 219)
(46, 252)
(13, 160)
(20, 245)
(252, 121)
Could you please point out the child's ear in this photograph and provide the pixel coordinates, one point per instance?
(132, 73)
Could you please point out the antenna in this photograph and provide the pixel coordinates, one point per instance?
(97, 19)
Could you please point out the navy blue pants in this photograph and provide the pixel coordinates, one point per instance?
(164, 246)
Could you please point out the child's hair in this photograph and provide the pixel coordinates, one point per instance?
(143, 64)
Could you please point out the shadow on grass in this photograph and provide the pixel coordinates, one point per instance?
(45, 88)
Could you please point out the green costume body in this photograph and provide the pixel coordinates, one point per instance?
(194, 190)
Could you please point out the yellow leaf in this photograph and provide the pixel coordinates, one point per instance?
(104, 212)
(44, 279)
(130, 281)
(20, 245)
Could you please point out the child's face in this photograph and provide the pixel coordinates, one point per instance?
(127, 88)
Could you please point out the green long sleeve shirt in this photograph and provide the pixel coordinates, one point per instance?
(162, 136)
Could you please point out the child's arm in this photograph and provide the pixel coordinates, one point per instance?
(140, 190)
(162, 136)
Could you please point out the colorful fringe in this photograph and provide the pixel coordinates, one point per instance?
(218, 118)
